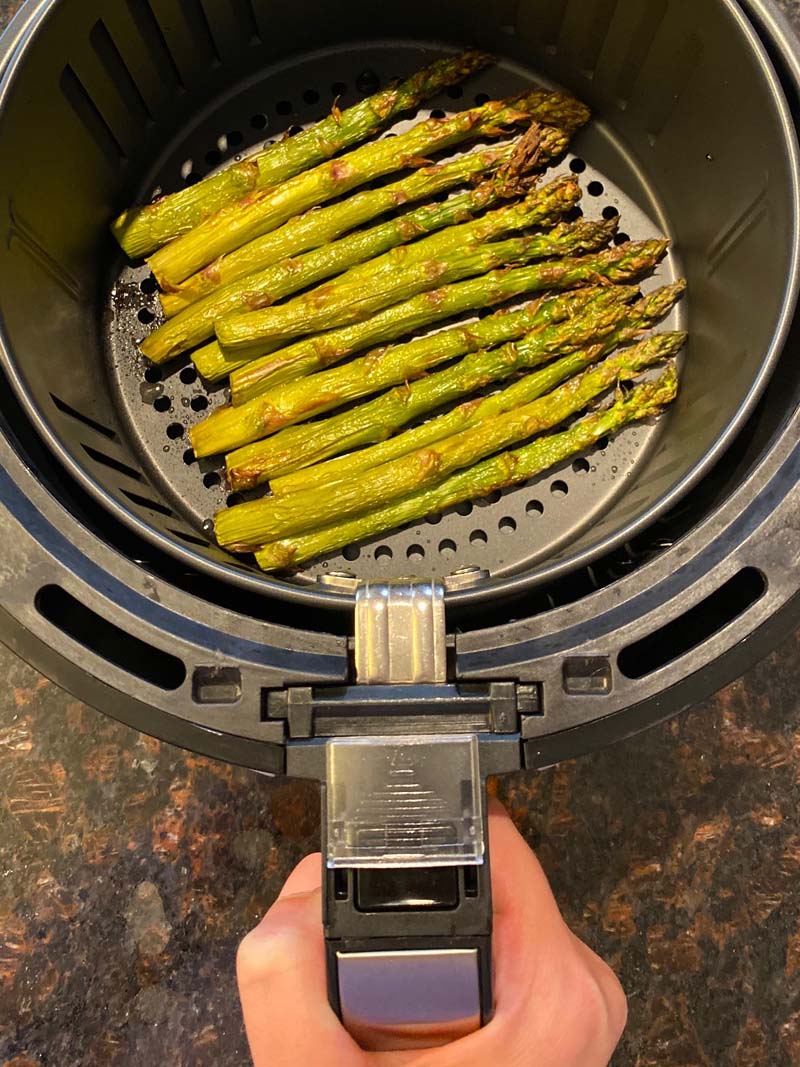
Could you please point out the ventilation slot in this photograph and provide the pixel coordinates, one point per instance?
(585, 36)
(190, 539)
(652, 16)
(551, 18)
(108, 641)
(142, 15)
(65, 409)
(694, 627)
(684, 61)
(93, 122)
(247, 17)
(113, 464)
(151, 505)
(114, 66)
(201, 30)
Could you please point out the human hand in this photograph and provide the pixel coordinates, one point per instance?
(557, 1004)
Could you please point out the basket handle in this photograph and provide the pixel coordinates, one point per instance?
(409, 952)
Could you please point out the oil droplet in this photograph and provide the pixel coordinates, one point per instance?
(594, 470)
(208, 527)
(166, 448)
(614, 470)
(150, 391)
(185, 401)
(709, 157)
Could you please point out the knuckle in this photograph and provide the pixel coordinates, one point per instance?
(262, 956)
(600, 1007)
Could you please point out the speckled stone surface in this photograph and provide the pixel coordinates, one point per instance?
(129, 870)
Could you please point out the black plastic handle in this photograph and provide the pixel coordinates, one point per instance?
(409, 952)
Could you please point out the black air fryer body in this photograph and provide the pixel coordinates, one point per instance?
(581, 608)
(686, 576)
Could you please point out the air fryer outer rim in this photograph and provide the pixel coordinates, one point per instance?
(317, 596)
(288, 656)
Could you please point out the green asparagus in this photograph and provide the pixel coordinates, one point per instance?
(553, 326)
(265, 209)
(458, 252)
(626, 263)
(319, 226)
(402, 405)
(232, 426)
(143, 229)
(196, 323)
(245, 527)
(508, 468)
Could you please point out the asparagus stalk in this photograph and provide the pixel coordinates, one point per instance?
(509, 468)
(247, 526)
(265, 209)
(143, 229)
(624, 264)
(459, 252)
(196, 323)
(551, 326)
(322, 225)
(232, 426)
(375, 421)
(299, 446)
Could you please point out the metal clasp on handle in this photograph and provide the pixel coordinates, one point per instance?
(400, 635)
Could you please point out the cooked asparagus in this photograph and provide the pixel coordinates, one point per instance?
(626, 263)
(602, 325)
(259, 290)
(548, 327)
(142, 229)
(458, 252)
(245, 527)
(508, 468)
(232, 426)
(265, 209)
(621, 324)
(319, 226)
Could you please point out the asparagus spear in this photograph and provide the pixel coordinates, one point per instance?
(319, 226)
(459, 252)
(265, 209)
(142, 229)
(196, 323)
(298, 446)
(626, 263)
(376, 421)
(291, 460)
(245, 527)
(509, 468)
(232, 426)
(551, 326)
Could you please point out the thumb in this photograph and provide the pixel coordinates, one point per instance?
(281, 972)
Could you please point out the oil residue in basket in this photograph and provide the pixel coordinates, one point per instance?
(150, 391)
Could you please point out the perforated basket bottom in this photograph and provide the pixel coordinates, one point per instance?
(513, 531)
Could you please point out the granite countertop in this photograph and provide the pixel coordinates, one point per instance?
(129, 870)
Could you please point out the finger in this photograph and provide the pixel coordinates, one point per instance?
(305, 878)
(281, 972)
(573, 1002)
(613, 994)
(551, 1007)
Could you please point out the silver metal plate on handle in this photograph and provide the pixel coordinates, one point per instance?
(380, 992)
(400, 635)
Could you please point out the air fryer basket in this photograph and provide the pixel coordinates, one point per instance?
(110, 101)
